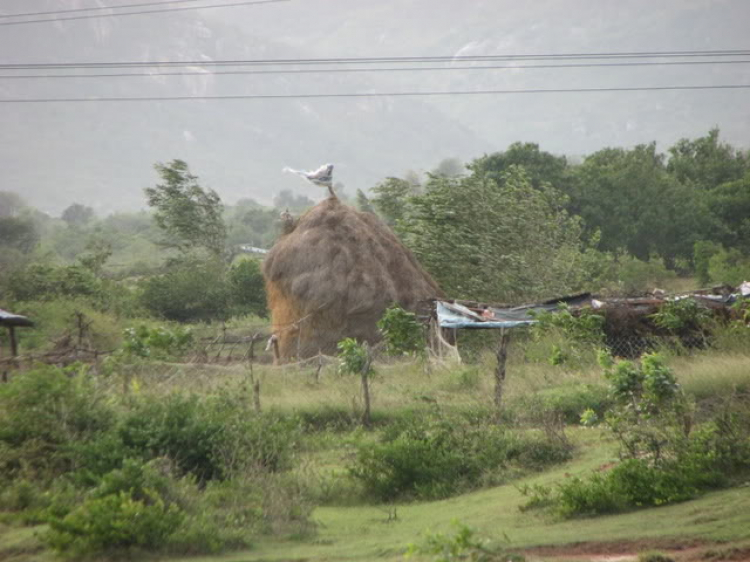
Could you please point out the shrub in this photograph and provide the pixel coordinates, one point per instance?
(192, 290)
(565, 338)
(158, 342)
(43, 413)
(114, 522)
(568, 401)
(248, 292)
(665, 460)
(208, 439)
(462, 545)
(436, 457)
(402, 333)
(45, 282)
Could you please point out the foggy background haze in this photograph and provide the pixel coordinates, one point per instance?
(102, 154)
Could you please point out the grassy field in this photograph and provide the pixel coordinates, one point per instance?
(349, 531)
(370, 533)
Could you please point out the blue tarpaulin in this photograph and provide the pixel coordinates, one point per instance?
(452, 315)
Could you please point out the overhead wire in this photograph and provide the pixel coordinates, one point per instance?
(381, 94)
(142, 12)
(98, 8)
(379, 60)
(376, 69)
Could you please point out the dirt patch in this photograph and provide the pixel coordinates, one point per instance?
(621, 551)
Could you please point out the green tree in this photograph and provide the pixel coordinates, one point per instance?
(706, 162)
(501, 241)
(449, 168)
(363, 203)
(729, 204)
(247, 288)
(541, 167)
(19, 233)
(190, 216)
(77, 215)
(390, 198)
(629, 197)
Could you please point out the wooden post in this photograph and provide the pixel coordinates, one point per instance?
(250, 362)
(13, 341)
(366, 418)
(502, 357)
(320, 366)
(5, 369)
(276, 354)
(256, 395)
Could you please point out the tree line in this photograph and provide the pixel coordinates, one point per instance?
(510, 226)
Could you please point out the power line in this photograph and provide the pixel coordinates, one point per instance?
(382, 94)
(382, 60)
(381, 69)
(97, 8)
(142, 12)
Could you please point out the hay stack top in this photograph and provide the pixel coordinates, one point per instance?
(333, 275)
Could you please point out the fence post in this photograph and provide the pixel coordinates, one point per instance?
(319, 367)
(502, 357)
(256, 383)
(366, 418)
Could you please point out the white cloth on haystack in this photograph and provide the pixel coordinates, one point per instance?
(323, 176)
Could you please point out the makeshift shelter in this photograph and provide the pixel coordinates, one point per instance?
(11, 322)
(629, 327)
(333, 274)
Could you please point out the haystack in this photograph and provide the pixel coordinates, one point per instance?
(333, 275)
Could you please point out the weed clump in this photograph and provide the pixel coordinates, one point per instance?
(436, 457)
(176, 474)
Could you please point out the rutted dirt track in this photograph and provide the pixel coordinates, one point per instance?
(628, 551)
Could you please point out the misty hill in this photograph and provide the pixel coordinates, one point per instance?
(101, 154)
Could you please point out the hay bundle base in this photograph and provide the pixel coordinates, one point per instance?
(333, 275)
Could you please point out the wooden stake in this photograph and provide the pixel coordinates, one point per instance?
(13, 341)
(366, 418)
(320, 366)
(502, 357)
(256, 395)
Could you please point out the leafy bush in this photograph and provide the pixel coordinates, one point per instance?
(208, 439)
(192, 290)
(680, 317)
(402, 333)
(436, 457)
(568, 401)
(566, 338)
(731, 267)
(462, 545)
(114, 522)
(158, 342)
(43, 412)
(247, 288)
(665, 459)
(45, 282)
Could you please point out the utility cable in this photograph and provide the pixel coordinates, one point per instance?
(389, 69)
(380, 94)
(139, 13)
(97, 8)
(379, 60)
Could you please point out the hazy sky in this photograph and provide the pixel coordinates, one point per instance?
(102, 154)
